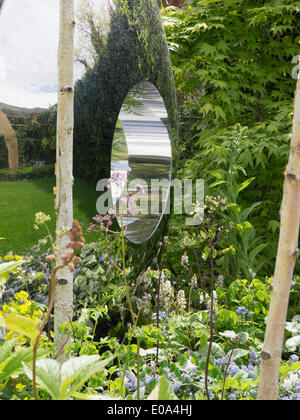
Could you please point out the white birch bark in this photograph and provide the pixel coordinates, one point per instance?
(64, 180)
(284, 268)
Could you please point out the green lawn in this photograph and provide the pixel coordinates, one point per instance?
(19, 201)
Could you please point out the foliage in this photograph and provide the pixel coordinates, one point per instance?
(238, 71)
(124, 62)
(27, 172)
(36, 134)
(183, 338)
(3, 153)
(241, 44)
(191, 326)
(62, 382)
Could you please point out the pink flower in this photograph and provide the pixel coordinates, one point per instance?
(92, 227)
(112, 212)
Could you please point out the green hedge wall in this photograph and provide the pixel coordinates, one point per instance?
(136, 50)
(30, 172)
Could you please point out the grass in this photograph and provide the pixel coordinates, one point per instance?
(19, 201)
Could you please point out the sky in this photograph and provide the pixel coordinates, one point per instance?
(28, 52)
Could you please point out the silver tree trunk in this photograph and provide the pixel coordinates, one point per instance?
(64, 180)
(284, 268)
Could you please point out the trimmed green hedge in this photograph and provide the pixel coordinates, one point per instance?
(29, 172)
(3, 153)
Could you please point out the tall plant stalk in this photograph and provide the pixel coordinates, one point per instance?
(64, 179)
(211, 318)
(285, 262)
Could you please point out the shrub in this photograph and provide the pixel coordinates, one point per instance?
(29, 172)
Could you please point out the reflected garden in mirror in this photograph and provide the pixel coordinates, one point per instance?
(141, 148)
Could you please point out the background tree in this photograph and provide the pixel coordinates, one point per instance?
(92, 27)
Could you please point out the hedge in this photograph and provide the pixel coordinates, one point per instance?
(29, 172)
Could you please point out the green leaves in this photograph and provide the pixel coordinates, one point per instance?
(11, 361)
(239, 353)
(7, 267)
(48, 376)
(163, 391)
(10, 266)
(237, 86)
(293, 343)
(19, 324)
(64, 382)
(245, 184)
(220, 42)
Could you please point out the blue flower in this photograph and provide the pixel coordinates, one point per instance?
(186, 377)
(161, 315)
(294, 358)
(95, 283)
(131, 381)
(241, 310)
(177, 386)
(253, 358)
(148, 378)
(233, 369)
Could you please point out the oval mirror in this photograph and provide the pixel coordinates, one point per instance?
(141, 163)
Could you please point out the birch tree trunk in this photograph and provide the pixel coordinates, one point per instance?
(11, 141)
(286, 256)
(64, 168)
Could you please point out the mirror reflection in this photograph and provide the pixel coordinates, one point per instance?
(141, 154)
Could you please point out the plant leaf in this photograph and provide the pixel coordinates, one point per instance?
(237, 353)
(6, 348)
(19, 324)
(293, 343)
(72, 368)
(14, 366)
(10, 266)
(85, 374)
(47, 376)
(163, 391)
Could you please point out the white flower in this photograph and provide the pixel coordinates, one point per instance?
(181, 300)
(41, 218)
(194, 282)
(185, 260)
